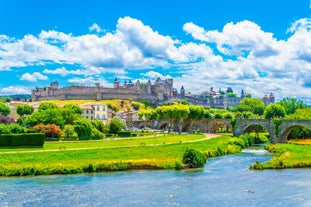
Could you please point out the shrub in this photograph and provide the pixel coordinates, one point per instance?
(34, 139)
(193, 158)
(50, 130)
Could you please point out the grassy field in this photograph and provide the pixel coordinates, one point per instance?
(128, 154)
(108, 143)
(295, 154)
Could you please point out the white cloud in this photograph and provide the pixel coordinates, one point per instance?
(95, 28)
(241, 55)
(155, 75)
(33, 77)
(14, 90)
(63, 71)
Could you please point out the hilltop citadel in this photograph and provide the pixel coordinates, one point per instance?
(157, 93)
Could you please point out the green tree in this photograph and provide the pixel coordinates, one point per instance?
(69, 131)
(4, 109)
(274, 111)
(48, 116)
(241, 108)
(74, 108)
(180, 112)
(251, 102)
(83, 128)
(24, 110)
(291, 105)
(115, 126)
(259, 109)
(196, 113)
(47, 105)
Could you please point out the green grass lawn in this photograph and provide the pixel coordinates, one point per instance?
(110, 156)
(108, 143)
(287, 156)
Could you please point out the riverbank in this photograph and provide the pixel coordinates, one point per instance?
(84, 157)
(295, 154)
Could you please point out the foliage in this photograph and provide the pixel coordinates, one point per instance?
(33, 139)
(113, 108)
(11, 129)
(251, 102)
(50, 130)
(302, 114)
(115, 126)
(286, 156)
(146, 103)
(48, 116)
(69, 115)
(241, 108)
(96, 134)
(100, 126)
(69, 131)
(6, 119)
(135, 106)
(291, 105)
(231, 94)
(23, 110)
(4, 109)
(74, 108)
(184, 102)
(259, 109)
(47, 105)
(83, 128)
(274, 111)
(193, 158)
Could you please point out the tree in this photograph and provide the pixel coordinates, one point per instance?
(23, 110)
(241, 108)
(115, 126)
(47, 105)
(259, 109)
(252, 102)
(4, 109)
(69, 131)
(74, 108)
(274, 110)
(50, 130)
(291, 105)
(48, 116)
(83, 128)
(196, 113)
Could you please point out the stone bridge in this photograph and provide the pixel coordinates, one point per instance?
(278, 133)
(205, 125)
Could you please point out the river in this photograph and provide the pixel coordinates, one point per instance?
(224, 181)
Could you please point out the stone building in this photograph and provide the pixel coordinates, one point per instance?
(95, 111)
(159, 91)
(268, 100)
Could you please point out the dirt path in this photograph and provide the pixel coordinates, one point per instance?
(63, 148)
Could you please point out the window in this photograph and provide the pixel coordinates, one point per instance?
(97, 116)
(104, 117)
(91, 111)
(98, 107)
(91, 117)
(87, 111)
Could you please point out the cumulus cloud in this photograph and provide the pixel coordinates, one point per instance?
(14, 90)
(239, 55)
(34, 77)
(95, 28)
(63, 71)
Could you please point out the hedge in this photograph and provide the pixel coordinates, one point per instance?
(26, 139)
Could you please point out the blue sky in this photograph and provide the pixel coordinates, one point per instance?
(260, 46)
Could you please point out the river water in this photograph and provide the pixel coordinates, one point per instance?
(224, 181)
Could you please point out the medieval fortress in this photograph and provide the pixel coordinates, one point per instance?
(159, 92)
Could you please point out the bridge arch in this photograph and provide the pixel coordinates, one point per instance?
(247, 125)
(289, 125)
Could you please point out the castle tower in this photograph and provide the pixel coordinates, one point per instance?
(54, 85)
(149, 87)
(182, 92)
(271, 98)
(116, 83)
